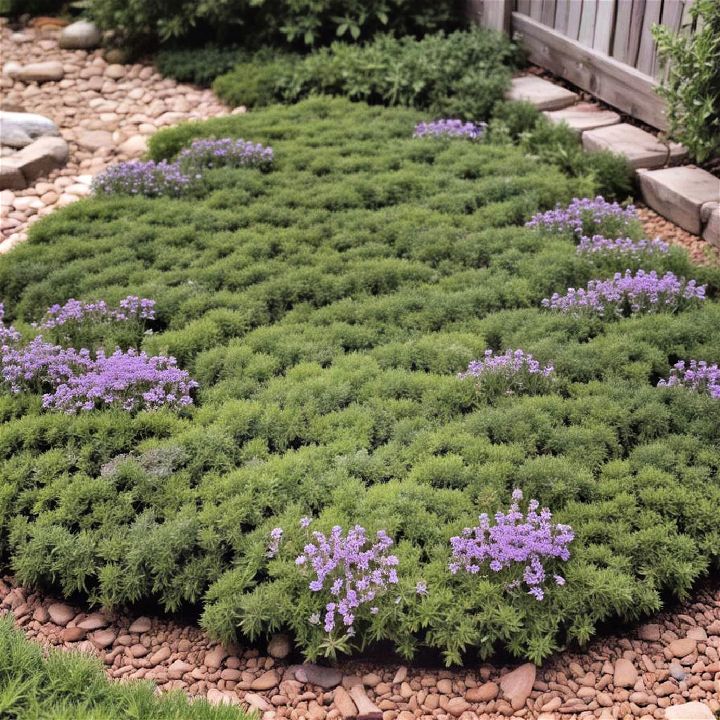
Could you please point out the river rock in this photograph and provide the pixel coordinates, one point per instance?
(689, 711)
(682, 646)
(482, 693)
(80, 35)
(279, 647)
(625, 674)
(41, 72)
(325, 677)
(517, 685)
(60, 613)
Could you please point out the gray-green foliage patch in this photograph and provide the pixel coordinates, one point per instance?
(325, 308)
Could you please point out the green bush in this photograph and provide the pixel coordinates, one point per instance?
(458, 75)
(325, 309)
(560, 145)
(198, 65)
(283, 23)
(61, 684)
(692, 85)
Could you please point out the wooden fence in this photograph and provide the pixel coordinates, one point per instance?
(603, 46)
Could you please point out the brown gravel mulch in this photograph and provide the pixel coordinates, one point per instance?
(672, 660)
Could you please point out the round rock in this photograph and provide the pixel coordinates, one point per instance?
(80, 35)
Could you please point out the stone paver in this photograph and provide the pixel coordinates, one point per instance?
(679, 193)
(710, 215)
(542, 94)
(642, 149)
(583, 116)
(104, 111)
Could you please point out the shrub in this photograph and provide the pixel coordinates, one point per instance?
(199, 66)
(326, 308)
(63, 684)
(303, 23)
(691, 86)
(462, 74)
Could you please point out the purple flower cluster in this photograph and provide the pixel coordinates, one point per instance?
(629, 294)
(584, 216)
(40, 364)
(75, 311)
(450, 128)
(8, 334)
(352, 568)
(129, 380)
(621, 247)
(73, 380)
(147, 178)
(511, 372)
(225, 152)
(514, 539)
(697, 376)
(510, 362)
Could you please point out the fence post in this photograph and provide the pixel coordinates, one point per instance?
(493, 14)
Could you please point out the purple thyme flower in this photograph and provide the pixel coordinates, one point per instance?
(450, 128)
(629, 294)
(621, 247)
(275, 538)
(514, 539)
(512, 372)
(128, 380)
(147, 178)
(225, 152)
(421, 588)
(8, 334)
(696, 375)
(586, 216)
(75, 311)
(353, 570)
(305, 522)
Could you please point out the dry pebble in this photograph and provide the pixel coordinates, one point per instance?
(104, 111)
(661, 665)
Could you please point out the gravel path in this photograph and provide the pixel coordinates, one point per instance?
(105, 112)
(645, 673)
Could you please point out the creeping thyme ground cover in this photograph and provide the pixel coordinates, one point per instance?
(326, 309)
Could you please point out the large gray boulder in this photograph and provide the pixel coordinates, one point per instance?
(19, 129)
(80, 35)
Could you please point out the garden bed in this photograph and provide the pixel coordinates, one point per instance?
(325, 307)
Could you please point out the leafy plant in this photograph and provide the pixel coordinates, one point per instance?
(283, 23)
(462, 74)
(692, 83)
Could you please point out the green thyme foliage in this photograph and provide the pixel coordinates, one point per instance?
(692, 84)
(35, 685)
(462, 74)
(199, 65)
(325, 308)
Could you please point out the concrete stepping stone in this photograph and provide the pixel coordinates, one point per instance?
(642, 149)
(583, 116)
(679, 194)
(542, 94)
(710, 215)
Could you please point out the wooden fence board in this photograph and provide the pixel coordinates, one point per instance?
(523, 6)
(604, 25)
(536, 9)
(587, 22)
(646, 53)
(548, 13)
(574, 13)
(622, 30)
(636, 22)
(614, 82)
(561, 16)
